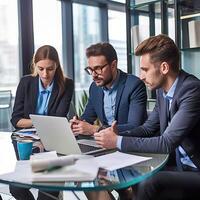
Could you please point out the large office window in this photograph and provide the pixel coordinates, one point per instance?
(171, 23)
(117, 36)
(9, 45)
(86, 26)
(47, 24)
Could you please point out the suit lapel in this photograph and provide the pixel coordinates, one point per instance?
(121, 85)
(165, 113)
(53, 96)
(181, 79)
(101, 104)
(35, 89)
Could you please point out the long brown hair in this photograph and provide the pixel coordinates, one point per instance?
(49, 52)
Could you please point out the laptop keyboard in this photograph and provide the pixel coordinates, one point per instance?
(86, 148)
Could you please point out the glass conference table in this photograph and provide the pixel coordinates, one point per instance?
(106, 180)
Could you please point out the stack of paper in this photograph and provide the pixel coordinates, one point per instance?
(65, 168)
(82, 170)
(27, 133)
(78, 167)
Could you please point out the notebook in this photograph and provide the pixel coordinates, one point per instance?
(56, 135)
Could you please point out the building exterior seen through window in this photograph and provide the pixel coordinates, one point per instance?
(9, 46)
(47, 29)
(117, 36)
(47, 24)
(86, 26)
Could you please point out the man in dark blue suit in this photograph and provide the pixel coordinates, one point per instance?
(178, 128)
(113, 94)
(176, 114)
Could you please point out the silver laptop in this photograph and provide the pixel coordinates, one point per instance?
(56, 134)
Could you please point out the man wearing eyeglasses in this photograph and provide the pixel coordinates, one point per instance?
(113, 94)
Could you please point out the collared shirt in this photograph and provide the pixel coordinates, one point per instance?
(169, 96)
(43, 98)
(184, 157)
(170, 93)
(110, 100)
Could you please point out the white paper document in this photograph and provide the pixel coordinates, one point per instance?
(44, 155)
(118, 160)
(27, 130)
(27, 133)
(71, 167)
(82, 170)
(42, 162)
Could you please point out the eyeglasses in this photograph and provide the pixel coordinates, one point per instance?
(97, 69)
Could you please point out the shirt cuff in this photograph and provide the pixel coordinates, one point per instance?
(119, 142)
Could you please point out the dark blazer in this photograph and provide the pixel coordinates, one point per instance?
(184, 128)
(27, 95)
(130, 109)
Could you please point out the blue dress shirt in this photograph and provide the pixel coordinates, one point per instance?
(43, 98)
(110, 100)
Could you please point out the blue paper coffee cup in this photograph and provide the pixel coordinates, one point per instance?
(24, 148)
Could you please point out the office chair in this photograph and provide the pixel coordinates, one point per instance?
(5, 110)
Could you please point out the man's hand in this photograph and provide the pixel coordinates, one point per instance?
(82, 127)
(107, 138)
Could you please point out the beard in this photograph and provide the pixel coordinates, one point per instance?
(103, 82)
(156, 85)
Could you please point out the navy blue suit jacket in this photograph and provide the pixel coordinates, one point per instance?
(27, 95)
(184, 128)
(130, 106)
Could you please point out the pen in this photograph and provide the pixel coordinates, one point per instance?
(50, 169)
(51, 164)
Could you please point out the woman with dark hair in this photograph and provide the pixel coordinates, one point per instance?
(45, 92)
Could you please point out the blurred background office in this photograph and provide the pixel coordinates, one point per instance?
(69, 26)
(72, 25)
